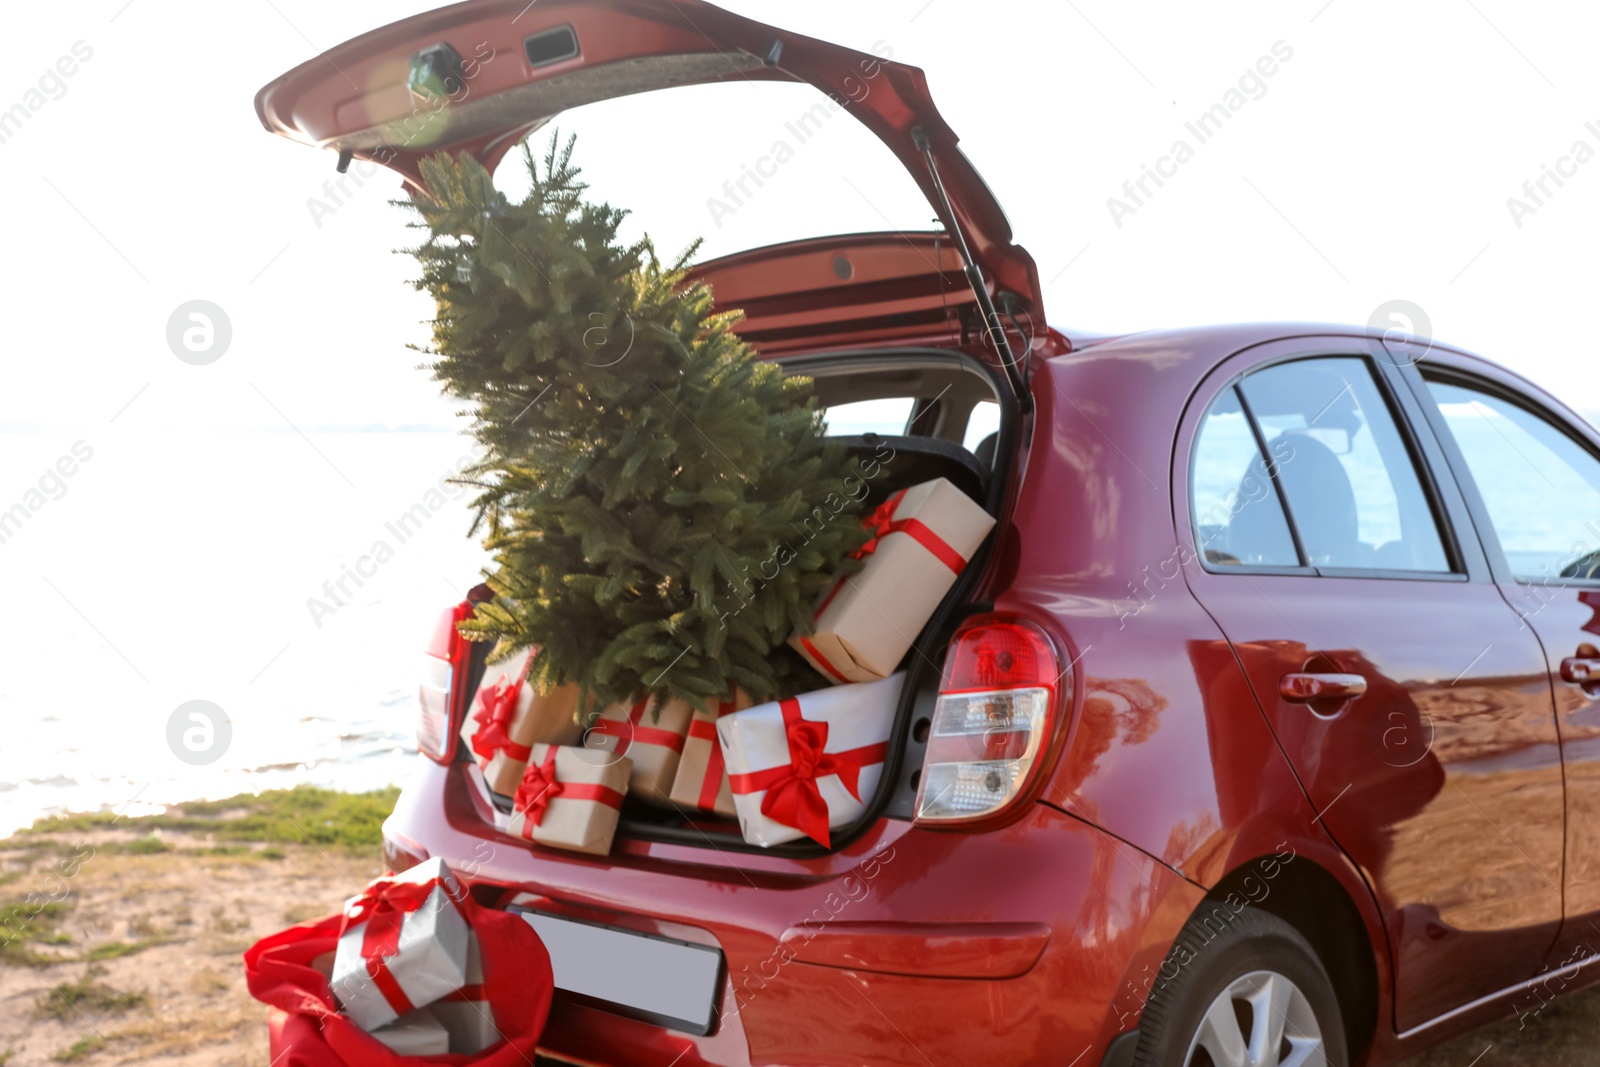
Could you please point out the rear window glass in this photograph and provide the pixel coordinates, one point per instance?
(888, 417)
(984, 420)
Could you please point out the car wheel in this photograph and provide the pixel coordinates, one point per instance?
(1251, 994)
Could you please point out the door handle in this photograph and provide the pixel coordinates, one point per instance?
(1317, 688)
(1580, 670)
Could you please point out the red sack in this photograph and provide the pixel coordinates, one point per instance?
(307, 1030)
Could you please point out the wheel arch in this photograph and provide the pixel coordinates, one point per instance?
(1298, 889)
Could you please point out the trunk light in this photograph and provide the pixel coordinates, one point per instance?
(995, 713)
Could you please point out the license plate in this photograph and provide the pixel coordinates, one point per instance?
(659, 980)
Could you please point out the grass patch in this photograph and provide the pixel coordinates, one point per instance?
(114, 950)
(144, 846)
(273, 854)
(305, 911)
(23, 925)
(281, 816)
(84, 1046)
(87, 994)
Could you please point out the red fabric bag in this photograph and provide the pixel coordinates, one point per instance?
(305, 1026)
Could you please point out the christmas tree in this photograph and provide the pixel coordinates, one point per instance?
(661, 506)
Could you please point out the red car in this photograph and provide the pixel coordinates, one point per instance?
(1308, 622)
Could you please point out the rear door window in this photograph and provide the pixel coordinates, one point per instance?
(1344, 491)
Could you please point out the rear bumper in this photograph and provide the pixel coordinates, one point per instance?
(909, 947)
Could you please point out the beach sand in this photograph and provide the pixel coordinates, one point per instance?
(120, 943)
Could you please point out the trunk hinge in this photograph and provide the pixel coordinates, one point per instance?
(1015, 369)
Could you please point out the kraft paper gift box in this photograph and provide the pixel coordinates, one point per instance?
(702, 780)
(465, 1014)
(570, 798)
(800, 767)
(654, 742)
(416, 1033)
(921, 539)
(402, 946)
(508, 717)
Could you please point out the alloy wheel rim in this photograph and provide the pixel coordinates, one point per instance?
(1261, 1019)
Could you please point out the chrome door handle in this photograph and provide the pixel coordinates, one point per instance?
(1580, 670)
(1311, 688)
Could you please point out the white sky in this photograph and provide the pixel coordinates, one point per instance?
(181, 560)
(1376, 166)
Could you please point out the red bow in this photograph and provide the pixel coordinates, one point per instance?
(880, 523)
(793, 795)
(383, 906)
(497, 707)
(539, 787)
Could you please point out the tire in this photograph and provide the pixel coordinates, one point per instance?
(1204, 1007)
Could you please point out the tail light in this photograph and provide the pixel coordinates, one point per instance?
(444, 676)
(999, 708)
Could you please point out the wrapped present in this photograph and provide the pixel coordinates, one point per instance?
(416, 1033)
(653, 739)
(702, 780)
(570, 798)
(466, 1014)
(402, 945)
(509, 717)
(800, 767)
(921, 539)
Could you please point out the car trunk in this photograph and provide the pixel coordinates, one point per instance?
(939, 321)
(935, 391)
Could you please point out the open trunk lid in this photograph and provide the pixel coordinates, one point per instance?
(479, 76)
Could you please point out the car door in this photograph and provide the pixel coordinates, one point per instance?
(1531, 476)
(1337, 555)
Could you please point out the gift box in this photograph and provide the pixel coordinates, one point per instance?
(508, 717)
(653, 739)
(416, 1033)
(402, 945)
(799, 767)
(466, 1014)
(570, 798)
(702, 779)
(921, 539)
(305, 1026)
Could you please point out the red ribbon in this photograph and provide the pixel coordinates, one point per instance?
(628, 731)
(497, 709)
(711, 785)
(794, 798)
(882, 523)
(822, 661)
(540, 786)
(383, 906)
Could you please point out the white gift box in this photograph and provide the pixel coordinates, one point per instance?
(430, 958)
(804, 751)
(465, 1014)
(416, 1033)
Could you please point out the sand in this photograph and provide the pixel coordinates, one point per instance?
(142, 946)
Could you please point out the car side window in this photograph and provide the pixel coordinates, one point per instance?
(1540, 486)
(1237, 514)
(1345, 492)
(1353, 494)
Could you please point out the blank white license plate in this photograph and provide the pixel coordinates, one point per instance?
(669, 983)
